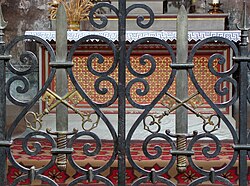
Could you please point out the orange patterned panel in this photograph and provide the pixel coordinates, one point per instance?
(156, 81)
(86, 79)
(204, 77)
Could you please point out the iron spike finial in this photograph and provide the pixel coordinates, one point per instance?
(183, 3)
(3, 23)
(61, 15)
(244, 18)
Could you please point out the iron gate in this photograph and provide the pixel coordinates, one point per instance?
(62, 144)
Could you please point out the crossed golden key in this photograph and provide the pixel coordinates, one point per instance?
(32, 118)
(212, 120)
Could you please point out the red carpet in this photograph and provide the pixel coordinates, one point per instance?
(64, 177)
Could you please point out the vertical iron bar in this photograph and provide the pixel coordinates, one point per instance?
(3, 155)
(243, 84)
(121, 93)
(181, 120)
(61, 75)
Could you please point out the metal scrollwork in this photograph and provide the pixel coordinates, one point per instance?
(216, 118)
(91, 174)
(140, 77)
(27, 58)
(19, 89)
(33, 172)
(103, 18)
(213, 175)
(180, 149)
(36, 145)
(154, 175)
(100, 60)
(220, 59)
(150, 122)
(223, 76)
(222, 91)
(102, 75)
(146, 57)
(97, 114)
(88, 152)
(206, 149)
(103, 91)
(156, 148)
(139, 91)
(140, 18)
(143, 61)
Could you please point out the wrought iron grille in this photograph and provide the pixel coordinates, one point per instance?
(62, 141)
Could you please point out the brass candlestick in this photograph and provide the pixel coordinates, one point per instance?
(215, 8)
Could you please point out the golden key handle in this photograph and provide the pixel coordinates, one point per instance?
(32, 119)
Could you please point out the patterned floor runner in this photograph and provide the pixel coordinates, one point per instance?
(65, 177)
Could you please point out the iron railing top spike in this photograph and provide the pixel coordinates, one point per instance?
(61, 16)
(182, 9)
(183, 3)
(3, 23)
(244, 18)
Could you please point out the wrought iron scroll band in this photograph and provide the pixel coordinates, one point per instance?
(181, 66)
(140, 77)
(5, 57)
(67, 64)
(239, 147)
(102, 76)
(21, 74)
(6, 143)
(241, 59)
(224, 76)
(104, 19)
(33, 172)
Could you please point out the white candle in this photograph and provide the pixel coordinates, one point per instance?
(215, 1)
